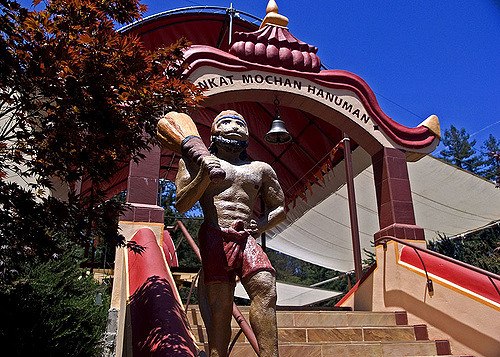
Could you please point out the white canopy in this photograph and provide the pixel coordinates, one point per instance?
(446, 199)
(293, 295)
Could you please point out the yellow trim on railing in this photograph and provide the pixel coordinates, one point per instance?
(125, 266)
(359, 286)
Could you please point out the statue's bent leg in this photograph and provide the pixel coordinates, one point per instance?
(261, 288)
(203, 301)
(220, 299)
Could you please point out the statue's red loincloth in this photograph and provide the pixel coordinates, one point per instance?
(226, 253)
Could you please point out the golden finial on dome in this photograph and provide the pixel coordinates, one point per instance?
(272, 7)
(273, 17)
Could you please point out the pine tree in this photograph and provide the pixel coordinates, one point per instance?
(479, 248)
(54, 309)
(460, 149)
(491, 162)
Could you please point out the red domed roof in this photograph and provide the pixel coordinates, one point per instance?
(276, 46)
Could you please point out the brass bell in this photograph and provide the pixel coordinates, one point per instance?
(278, 133)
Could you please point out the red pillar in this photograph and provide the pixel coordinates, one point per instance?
(395, 205)
(358, 268)
(142, 189)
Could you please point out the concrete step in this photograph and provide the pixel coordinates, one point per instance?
(322, 318)
(329, 334)
(354, 349)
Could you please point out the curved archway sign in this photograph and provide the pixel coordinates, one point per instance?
(338, 97)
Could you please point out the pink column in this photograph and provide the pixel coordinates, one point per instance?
(142, 189)
(395, 205)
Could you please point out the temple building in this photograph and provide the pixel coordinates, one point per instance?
(353, 178)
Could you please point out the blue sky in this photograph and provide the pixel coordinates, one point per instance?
(420, 58)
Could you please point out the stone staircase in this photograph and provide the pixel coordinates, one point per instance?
(321, 333)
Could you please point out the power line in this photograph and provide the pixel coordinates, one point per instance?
(193, 2)
(486, 127)
(393, 102)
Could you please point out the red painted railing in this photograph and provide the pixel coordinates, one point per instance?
(466, 279)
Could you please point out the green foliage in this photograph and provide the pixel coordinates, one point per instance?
(192, 220)
(296, 271)
(50, 310)
(491, 152)
(370, 257)
(37, 228)
(460, 149)
(480, 249)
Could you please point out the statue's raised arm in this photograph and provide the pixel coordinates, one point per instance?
(192, 180)
(178, 132)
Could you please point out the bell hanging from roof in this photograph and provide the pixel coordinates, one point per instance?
(278, 133)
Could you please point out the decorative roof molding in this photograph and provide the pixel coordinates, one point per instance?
(274, 45)
(432, 123)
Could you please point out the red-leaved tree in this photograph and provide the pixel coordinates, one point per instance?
(77, 98)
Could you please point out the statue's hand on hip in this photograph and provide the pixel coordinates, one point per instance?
(253, 229)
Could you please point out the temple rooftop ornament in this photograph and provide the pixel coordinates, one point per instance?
(273, 17)
(274, 45)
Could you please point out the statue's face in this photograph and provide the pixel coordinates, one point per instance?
(232, 127)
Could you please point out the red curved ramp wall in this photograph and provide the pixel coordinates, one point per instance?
(169, 250)
(158, 323)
